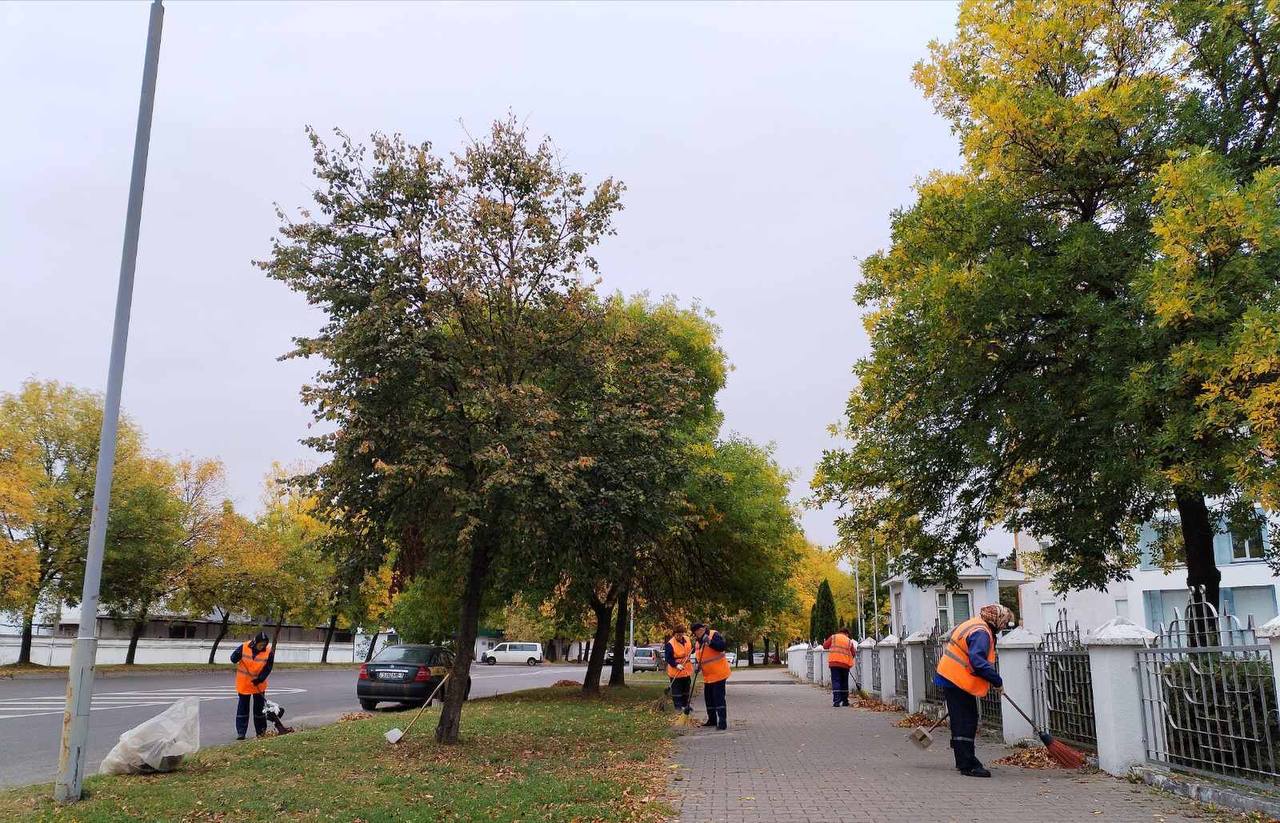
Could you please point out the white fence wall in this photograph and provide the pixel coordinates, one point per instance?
(56, 651)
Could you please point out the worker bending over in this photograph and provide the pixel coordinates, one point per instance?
(966, 672)
(839, 662)
(253, 663)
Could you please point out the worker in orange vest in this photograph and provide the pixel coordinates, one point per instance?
(839, 662)
(253, 662)
(715, 674)
(966, 672)
(677, 651)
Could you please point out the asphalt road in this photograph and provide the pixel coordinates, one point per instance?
(31, 708)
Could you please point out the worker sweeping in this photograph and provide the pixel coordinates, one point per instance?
(715, 674)
(839, 662)
(677, 651)
(253, 662)
(966, 672)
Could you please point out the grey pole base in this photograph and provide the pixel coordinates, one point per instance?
(75, 721)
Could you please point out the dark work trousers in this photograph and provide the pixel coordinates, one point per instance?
(963, 710)
(713, 694)
(680, 693)
(839, 686)
(259, 717)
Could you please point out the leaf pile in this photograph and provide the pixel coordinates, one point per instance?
(566, 683)
(349, 716)
(1031, 758)
(910, 721)
(872, 704)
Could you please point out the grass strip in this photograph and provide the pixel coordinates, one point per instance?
(542, 755)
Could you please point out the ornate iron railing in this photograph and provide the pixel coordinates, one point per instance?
(875, 668)
(857, 665)
(1062, 685)
(900, 668)
(932, 653)
(1209, 698)
(991, 708)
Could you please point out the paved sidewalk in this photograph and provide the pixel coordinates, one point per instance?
(789, 756)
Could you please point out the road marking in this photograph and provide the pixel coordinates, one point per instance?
(18, 707)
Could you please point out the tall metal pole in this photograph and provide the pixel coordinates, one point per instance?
(875, 598)
(857, 593)
(75, 717)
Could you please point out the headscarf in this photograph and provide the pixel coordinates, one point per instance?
(996, 615)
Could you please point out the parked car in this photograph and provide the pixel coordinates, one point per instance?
(528, 653)
(645, 659)
(608, 657)
(406, 674)
(732, 657)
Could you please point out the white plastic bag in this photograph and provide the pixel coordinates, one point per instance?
(158, 744)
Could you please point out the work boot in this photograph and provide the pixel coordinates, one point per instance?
(711, 721)
(973, 766)
(724, 721)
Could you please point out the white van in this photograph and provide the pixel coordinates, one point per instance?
(528, 653)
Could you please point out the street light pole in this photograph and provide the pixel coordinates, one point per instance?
(75, 717)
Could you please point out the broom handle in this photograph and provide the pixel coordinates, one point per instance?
(1006, 696)
(939, 721)
(429, 699)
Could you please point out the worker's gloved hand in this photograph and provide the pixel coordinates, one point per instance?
(258, 681)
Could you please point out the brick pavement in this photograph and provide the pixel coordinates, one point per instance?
(788, 756)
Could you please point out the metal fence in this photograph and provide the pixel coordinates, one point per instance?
(900, 668)
(1062, 685)
(1209, 698)
(875, 669)
(857, 666)
(991, 707)
(932, 653)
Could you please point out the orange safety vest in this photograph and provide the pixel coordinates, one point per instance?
(681, 650)
(714, 665)
(842, 653)
(249, 667)
(953, 663)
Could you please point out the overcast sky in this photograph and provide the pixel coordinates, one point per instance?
(763, 148)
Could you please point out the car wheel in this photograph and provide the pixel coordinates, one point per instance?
(368, 705)
(490, 661)
(532, 661)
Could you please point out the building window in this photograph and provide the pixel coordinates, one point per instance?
(1246, 546)
(182, 632)
(342, 637)
(953, 609)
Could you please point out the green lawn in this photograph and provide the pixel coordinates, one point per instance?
(545, 755)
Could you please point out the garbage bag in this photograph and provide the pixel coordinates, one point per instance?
(158, 744)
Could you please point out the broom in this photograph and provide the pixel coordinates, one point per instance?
(685, 717)
(1059, 752)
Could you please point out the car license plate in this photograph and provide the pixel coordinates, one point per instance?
(391, 675)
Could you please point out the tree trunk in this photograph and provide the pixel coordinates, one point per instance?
(751, 652)
(552, 648)
(328, 637)
(28, 632)
(275, 635)
(468, 626)
(584, 651)
(618, 673)
(596, 646)
(368, 654)
(1203, 578)
(222, 632)
(139, 623)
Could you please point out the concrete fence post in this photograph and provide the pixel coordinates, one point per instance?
(916, 675)
(1270, 632)
(888, 680)
(821, 671)
(1117, 702)
(1015, 650)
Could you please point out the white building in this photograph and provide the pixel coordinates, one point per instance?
(1151, 595)
(913, 608)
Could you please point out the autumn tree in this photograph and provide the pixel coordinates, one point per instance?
(47, 465)
(226, 583)
(454, 295)
(298, 584)
(1076, 333)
